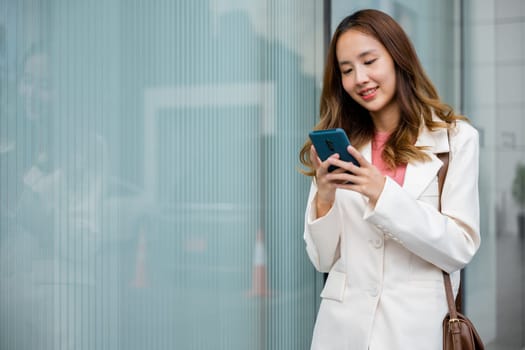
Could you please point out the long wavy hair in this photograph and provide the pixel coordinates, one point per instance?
(415, 94)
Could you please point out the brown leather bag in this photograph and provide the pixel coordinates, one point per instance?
(458, 331)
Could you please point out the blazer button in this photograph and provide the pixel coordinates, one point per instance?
(376, 243)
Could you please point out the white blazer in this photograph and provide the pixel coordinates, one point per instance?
(385, 286)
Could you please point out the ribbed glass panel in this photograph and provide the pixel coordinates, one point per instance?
(150, 197)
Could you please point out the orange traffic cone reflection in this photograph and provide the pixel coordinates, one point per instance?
(259, 277)
(139, 280)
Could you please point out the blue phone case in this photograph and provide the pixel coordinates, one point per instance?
(330, 141)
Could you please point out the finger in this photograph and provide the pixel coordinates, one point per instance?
(358, 156)
(346, 166)
(345, 178)
(314, 157)
(329, 161)
(339, 171)
(339, 176)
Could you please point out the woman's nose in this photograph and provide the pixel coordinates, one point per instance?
(361, 75)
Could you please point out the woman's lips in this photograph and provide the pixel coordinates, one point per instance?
(368, 94)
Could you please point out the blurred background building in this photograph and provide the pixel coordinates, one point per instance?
(149, 190)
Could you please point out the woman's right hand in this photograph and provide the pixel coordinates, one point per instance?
(325, 196)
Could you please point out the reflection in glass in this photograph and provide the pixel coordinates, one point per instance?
(150, 197)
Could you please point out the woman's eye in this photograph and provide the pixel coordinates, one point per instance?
(347, 71)
(370, 61)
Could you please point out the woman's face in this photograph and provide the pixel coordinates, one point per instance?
(367, 73)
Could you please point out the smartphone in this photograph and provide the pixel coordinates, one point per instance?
(330, 141)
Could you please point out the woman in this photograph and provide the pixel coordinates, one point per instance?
(377, 230)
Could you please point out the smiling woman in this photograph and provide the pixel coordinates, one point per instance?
(379, 228)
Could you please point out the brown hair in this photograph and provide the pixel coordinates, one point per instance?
(416, 95)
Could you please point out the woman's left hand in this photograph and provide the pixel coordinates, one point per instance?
(365, 179)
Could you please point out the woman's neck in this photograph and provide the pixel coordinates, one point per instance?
(387, 119)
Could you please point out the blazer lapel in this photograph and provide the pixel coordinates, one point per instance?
(420, 174)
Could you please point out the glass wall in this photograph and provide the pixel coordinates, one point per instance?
(150, 197)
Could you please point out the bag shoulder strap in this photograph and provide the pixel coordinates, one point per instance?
(450, 298)
(444, 157)
(453, 306)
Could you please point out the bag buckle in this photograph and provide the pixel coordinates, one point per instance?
(454, 320)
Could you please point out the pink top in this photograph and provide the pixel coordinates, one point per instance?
(378, 144)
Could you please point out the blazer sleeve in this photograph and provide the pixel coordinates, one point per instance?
(322, 235)
(450, 238)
